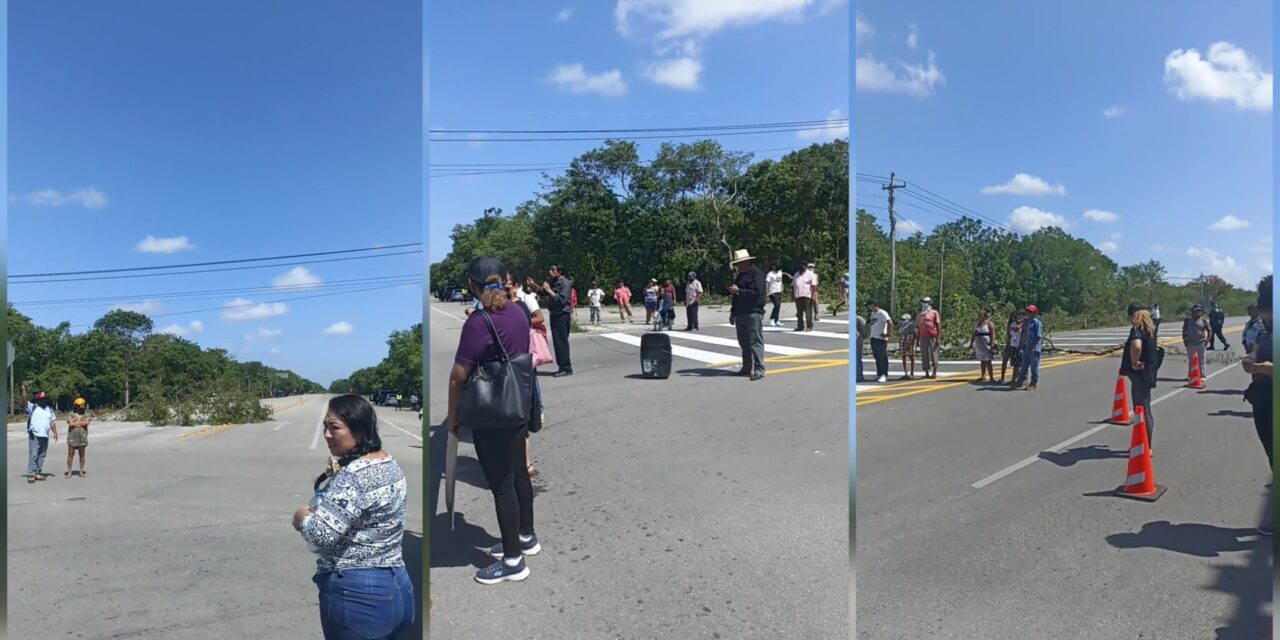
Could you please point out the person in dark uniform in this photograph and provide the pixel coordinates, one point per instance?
(1216, 319)
(559, 291)
(1259, 394)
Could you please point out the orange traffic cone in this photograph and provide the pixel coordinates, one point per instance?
(1194, 381)
(1140, 483)
(1120, 403)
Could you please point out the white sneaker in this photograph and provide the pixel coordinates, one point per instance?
(882, 379)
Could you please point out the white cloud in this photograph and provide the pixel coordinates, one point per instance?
(828, 6)
(87, 197)
(1159, 248)
(685, 18)
(296, 278)
(1108, 247)
(146, 307)
(1226, 267)
(1027, 185)
(339, 329)
(1098, 215)
(915, 80)
(861, 27)
(1030, 219)
(274, 351)
(908, 228)
(477, 140)
(1115, 111)
(1229, 223)
(575, 79)
(834, 128)
(264, 334)
(152, 244)
(564, 15)
(1116, 236)
(1226, 73)
(240, 309)
(913, 37)
(193, 327)
(678, 73)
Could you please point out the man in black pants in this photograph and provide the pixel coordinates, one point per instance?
(1262, 366)
(747, 312)
(879, 323)
(559, 291)
(1216, 319)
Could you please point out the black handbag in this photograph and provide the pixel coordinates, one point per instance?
(498, 393)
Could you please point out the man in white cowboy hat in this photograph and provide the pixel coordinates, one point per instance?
(747, 312)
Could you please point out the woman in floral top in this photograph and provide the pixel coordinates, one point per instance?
(355, 525)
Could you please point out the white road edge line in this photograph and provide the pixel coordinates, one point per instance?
(280, 424)
(408, 432)
(1066, 443)
(447, 314)
(315, 440)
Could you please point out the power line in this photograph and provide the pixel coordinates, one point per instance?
(763, 125)
(244, 268)
(254, 304)
(470, 165)
(216, 262)
(336, 284)
(830, 125)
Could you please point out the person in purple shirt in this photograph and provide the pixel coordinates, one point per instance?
(501, 452)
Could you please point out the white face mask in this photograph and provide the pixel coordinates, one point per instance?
(924, 306)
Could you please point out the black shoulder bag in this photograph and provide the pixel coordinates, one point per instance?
(498, 393)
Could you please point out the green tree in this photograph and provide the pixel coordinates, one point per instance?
(128, 329)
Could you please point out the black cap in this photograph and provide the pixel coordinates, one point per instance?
(482, 268)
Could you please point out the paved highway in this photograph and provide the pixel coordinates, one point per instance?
(180, 533)
(701, 506)
(984, 512)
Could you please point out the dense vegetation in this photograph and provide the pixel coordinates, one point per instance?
(400, 370)
(1073, 283)
(162, 378)
(611, 216)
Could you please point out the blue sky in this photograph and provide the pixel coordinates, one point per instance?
(1127, 110)
(220, 131)
(643, 64)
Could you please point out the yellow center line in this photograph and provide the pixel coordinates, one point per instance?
(889, 393)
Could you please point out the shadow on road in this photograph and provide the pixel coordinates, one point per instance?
(1200, 540)
(998, 387)
(462, 546)
(1231, 413)
(1079, 454)
(411, 550)
(707, 373)
(1221, 392)
(1250, 586)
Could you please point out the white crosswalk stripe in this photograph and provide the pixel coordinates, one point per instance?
(728, 342)
(707, 348)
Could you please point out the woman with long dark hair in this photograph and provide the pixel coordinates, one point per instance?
(355, 526)
(501, 452)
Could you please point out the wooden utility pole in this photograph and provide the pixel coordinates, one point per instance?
(942, 272)
(893, 246)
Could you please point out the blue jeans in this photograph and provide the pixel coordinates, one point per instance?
(373, 603)
(37, 447)
(1030, 363)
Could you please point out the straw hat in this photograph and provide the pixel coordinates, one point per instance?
(741, 255)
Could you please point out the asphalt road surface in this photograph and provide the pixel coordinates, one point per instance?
(180, 533)
(701, 506)
(985, 513)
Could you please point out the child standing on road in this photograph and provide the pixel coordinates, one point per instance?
(907, 345)
(595, 295)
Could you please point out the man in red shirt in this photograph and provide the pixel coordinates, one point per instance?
(930, 338)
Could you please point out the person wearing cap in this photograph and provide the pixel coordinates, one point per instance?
(595, 295)
(802, 285)
(930, 334)
(908, 336)
(692, 297)
(880, 326)
(1195, 334)
(77, 433)
(501, 452)
(747, 312)
(1216, 320)
(559, 291)
(1032, 336)
(650, 300)
(41, 423)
